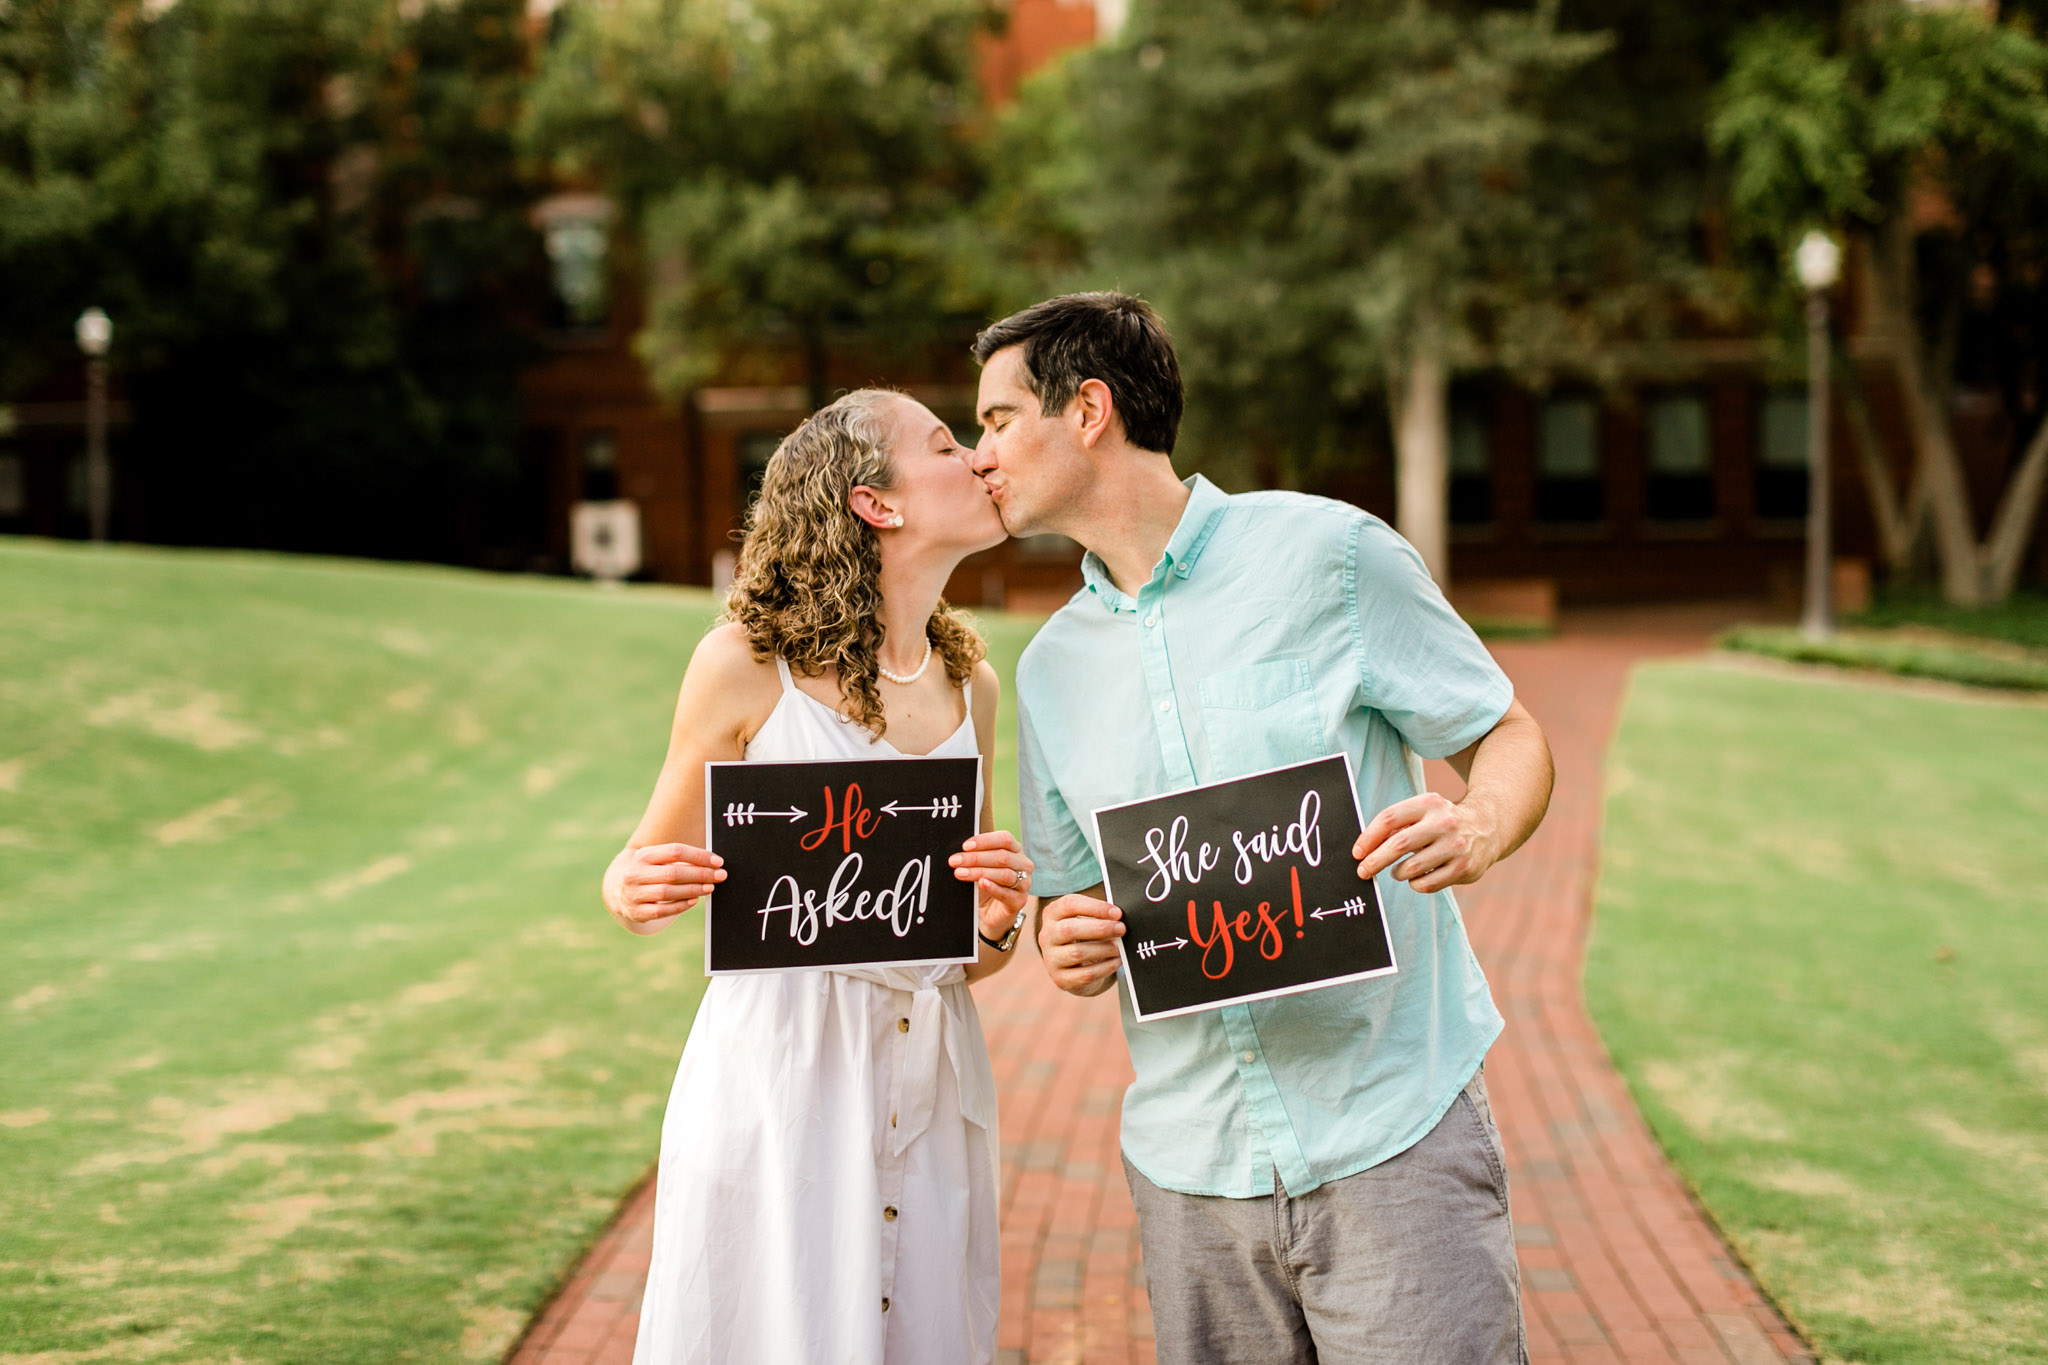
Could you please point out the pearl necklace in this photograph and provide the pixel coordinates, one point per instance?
(905, 679)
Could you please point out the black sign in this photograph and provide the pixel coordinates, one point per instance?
(1242, 890)
(839, 864)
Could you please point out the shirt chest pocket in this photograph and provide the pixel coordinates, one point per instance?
(1260, 716)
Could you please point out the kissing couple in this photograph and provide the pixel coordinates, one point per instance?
(1317, 1176)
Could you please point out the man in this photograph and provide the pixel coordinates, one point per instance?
(1317, 1176)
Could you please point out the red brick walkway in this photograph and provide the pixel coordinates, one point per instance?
(1618, 1263)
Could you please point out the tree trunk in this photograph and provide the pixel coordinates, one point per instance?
(2013, 528)
(1890, 275)
(1897, 529)
(1421, 410)
(1970, 574)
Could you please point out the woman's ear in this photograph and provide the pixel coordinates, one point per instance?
(867, 504)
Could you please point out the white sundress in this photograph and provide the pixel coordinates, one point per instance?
(827, 1190)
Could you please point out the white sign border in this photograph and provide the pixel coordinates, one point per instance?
(1123, 955)
(710, 833)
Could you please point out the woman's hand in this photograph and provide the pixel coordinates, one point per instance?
(648, 887)
(995, 862)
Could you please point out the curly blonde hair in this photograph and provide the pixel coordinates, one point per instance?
(808, 585)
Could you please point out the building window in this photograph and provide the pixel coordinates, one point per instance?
(598, 465)
(1568, 486)
(575, 229)
(1471, 467)
(1681, 466)
(1781, 456)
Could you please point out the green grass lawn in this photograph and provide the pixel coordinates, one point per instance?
(1919, 636)
(317, 1043)
(1820, 956)
(1910, 652)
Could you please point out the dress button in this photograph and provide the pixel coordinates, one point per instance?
(892, 1120)
(1251, 1057)
(903, 1026)
(885, 1305)
(889, 1213)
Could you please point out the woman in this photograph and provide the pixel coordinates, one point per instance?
(828, 1163)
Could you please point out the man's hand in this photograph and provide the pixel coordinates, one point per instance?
(1077, 937)
(646, 888)
(1444, 843)
(1507, 774)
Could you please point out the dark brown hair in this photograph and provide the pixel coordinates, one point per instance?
(1115, 338)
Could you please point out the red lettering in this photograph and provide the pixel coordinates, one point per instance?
(855, 821)
(1269, 933)
(1220, 934)
(817, 837)
(1227, 930)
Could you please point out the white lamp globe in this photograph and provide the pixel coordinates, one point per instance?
(95, 332)
(1817, 261)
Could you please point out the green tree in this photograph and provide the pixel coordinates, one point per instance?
(1354, 197)
(1922, 132)
(307, 220)
(797, 170)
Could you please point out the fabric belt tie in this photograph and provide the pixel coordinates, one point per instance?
(937, 1020)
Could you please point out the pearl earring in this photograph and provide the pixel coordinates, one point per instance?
(896, 520)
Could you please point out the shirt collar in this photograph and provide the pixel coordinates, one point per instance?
(1198, 521)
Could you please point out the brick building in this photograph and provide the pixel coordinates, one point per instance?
(1687, 481)
(598, 430)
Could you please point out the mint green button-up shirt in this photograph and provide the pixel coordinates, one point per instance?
(1276, 628)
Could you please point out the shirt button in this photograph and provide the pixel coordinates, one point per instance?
(903, 1026)
(1166, 706)
(1251, 1057)
(1151, 621)
(892, 1120)
(885, 1305)
(889, 1213)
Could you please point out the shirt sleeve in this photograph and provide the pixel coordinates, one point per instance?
(1062, 859)
(1421, 665)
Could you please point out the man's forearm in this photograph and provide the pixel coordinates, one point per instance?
(1508, 777)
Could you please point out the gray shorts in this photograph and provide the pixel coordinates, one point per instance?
(1409, 1263)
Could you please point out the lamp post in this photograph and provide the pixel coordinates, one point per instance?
(95, 335)
(1818, 263)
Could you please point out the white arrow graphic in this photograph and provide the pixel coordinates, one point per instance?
(738, 813)
(1355, 906)
(1150, 947)
(944, 805)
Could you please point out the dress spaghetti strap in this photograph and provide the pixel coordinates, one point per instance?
(782, 672)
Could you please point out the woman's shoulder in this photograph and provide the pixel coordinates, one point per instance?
(725, 660)
(726, 646)
(987, 687)
(985, 683)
